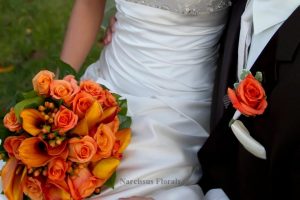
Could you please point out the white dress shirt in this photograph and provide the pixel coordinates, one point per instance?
(267, 17)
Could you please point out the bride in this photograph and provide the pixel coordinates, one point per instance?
(162, 58)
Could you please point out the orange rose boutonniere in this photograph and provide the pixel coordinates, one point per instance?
(249, 96)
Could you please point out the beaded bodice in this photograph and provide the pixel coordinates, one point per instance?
(187, 7)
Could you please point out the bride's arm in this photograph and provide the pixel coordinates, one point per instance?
(85, 21)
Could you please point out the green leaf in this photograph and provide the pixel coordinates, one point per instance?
(244, 74)
(111, 181)
(117, 96)
(125, 122)
(64, 69)
(236, 85)
(19, 96)
(110, 10)
(27, 103)
(259, 76)
(122, 104)
(123, 107)
(30, 94)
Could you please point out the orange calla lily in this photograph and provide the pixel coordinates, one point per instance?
(109, 114)
(32, 120)
(93, 114)
(11, 145)
(91, 118)
(81, 128)
(33, 152)
(124, 136)
(12, 178)
(105, 168)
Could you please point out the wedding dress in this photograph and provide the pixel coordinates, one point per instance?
(162, 58)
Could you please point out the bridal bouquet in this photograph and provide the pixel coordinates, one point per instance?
(63, 140)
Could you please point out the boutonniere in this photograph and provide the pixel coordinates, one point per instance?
(249, 98)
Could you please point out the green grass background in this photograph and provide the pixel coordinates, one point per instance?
(31, 37)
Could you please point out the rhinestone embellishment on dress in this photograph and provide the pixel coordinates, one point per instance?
(187, 7)
(216, 5)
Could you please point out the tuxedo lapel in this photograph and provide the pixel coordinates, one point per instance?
(228, 61)
(289, 38)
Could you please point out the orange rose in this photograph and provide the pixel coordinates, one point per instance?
(71, 79)
(93, 89)
(81, 103)
(249, 97)
(65, 119)
(82, 150)
(110, 100)
(10, 121)
(59, 150)
(11, 145)
(56, 190)
(41, 82)
(105, 139)
(62, 89)
(33, 188)
(83, 184)
(57, 168)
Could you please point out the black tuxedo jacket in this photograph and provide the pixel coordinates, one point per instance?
(225, 162)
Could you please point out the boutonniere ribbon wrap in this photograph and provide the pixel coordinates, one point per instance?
(249, 98)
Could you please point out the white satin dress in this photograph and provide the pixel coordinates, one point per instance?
(162, 58)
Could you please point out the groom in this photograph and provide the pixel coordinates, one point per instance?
(262, 35)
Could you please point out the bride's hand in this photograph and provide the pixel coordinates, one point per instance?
(109, 31)
(137, 198)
